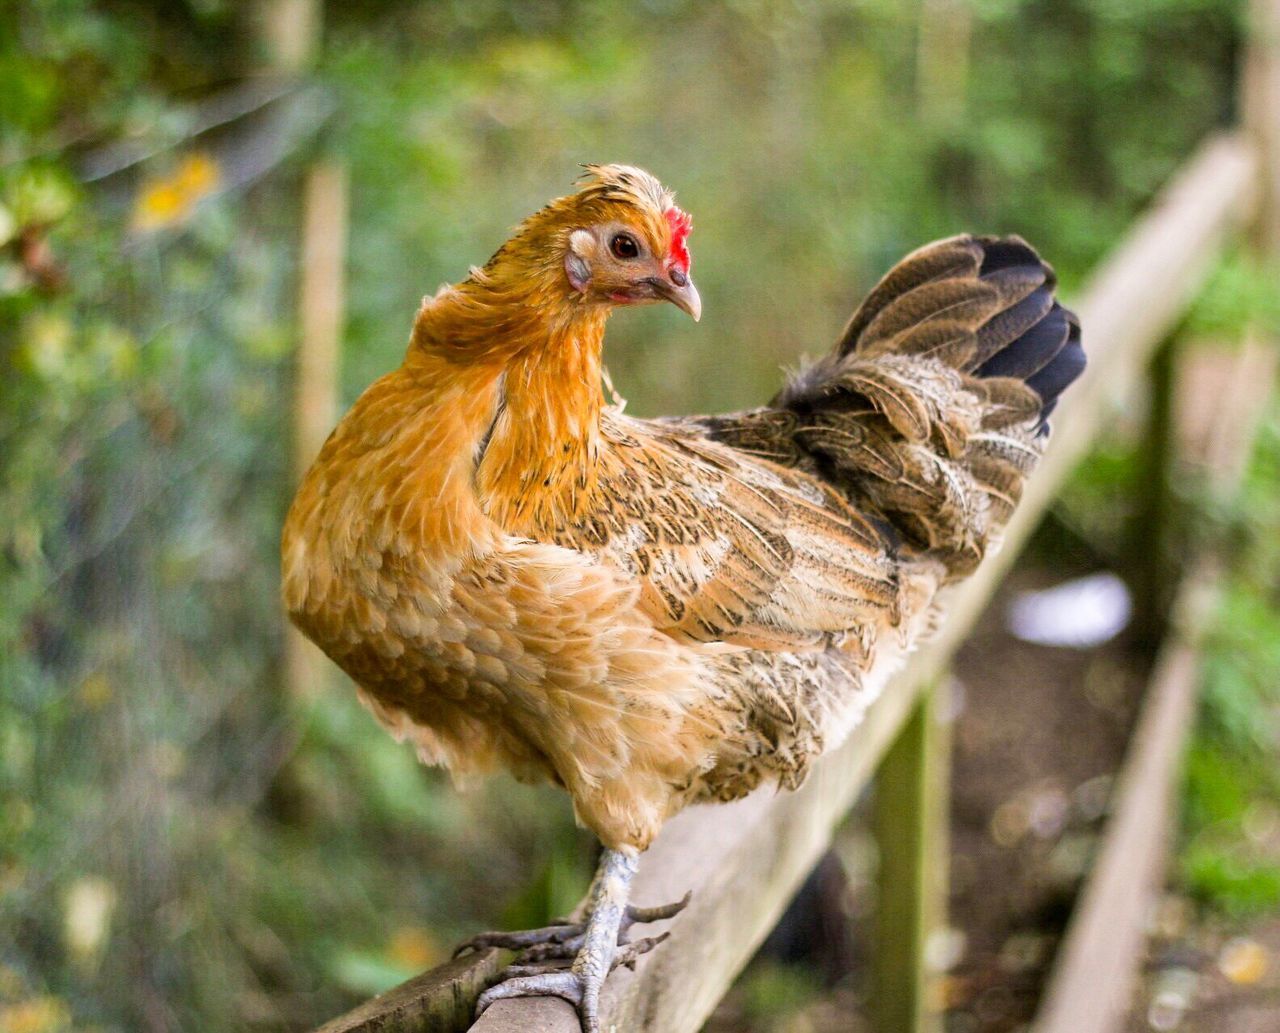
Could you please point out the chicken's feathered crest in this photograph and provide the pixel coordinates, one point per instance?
(618, 182)
(606, 192)
(637, 187)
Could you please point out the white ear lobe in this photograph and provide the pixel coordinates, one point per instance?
(575, 260)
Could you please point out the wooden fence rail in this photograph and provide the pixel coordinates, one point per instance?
(744, 861)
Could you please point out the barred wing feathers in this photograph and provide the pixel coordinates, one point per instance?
(728, 548)
(786, 527)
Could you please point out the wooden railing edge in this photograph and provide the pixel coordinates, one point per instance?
(440, 1000)
(743, 861)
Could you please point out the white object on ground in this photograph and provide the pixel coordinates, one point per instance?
(1085, 612)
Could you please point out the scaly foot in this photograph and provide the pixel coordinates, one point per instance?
(563, 938)
(624, 957)
(597, 945)
(549, 935)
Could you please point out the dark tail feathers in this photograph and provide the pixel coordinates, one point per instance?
(929, 410)
(984, 305)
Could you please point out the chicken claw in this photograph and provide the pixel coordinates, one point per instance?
(597, 945)
(563, 939)
(624, 957)
(525, 939)
(563, 983)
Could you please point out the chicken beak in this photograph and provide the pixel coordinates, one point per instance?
(685, 296)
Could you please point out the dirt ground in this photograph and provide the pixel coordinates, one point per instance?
(1208, 977)
(1040, 735)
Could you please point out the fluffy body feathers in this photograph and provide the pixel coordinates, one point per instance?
(652, 613)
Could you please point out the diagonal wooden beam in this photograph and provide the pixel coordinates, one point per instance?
(439, 1001)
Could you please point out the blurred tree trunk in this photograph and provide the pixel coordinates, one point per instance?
(1260, 107)
(321, 308)
(290, 34)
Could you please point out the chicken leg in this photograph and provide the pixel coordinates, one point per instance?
(597, 944)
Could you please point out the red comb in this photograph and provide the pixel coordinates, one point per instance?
(680, 223)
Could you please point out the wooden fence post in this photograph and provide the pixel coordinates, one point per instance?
(1152, 544)
(290, 31)
(1260, 110)
(321, 272)
(912, 830)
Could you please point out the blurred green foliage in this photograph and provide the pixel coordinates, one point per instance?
(156, 873)
(1232, 823)
(1240, 295)
(775, 992)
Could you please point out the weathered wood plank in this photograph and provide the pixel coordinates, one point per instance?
(1092, 984)
(911, 828)
(745, 860)
(439, 1001)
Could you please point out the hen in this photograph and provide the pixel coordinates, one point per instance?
(652, 613)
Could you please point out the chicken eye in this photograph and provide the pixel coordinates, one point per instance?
(623, 245)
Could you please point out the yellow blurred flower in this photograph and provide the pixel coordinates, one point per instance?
(90, 903)
(95, 691)
(1243, 961)
(159, 205)
(197, 175)
(171, 199)
(414, 948)
(38, 1015)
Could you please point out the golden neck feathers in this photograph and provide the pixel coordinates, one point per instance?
(527, 356)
